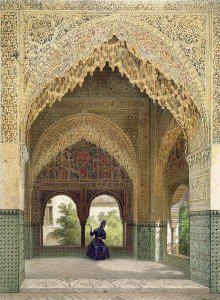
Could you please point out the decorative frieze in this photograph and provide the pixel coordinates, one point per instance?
(216, 78)
(9, 77)
(113, 5)
(199, 160)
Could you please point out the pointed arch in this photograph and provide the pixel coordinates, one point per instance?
(98, 130)
(174, 85)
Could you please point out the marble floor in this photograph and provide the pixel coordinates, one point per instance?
(82, 268)
(115, 279)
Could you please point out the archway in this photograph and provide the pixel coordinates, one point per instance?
(99, 130)
(106, 207)
(178, 224)
(147, 77)
(85, 125)
(61, 225)
(80, 172)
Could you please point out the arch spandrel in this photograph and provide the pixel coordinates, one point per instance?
(144, 40)
(149, 42)
(95, 129)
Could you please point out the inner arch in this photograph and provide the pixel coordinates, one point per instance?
(96, 129)
(140, 72)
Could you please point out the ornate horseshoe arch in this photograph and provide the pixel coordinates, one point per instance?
(137, 62)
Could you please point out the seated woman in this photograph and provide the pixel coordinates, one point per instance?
(97, 249)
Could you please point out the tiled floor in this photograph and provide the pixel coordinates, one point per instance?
(80, 268)
(107, 296)
(110, 285)
(116, 279)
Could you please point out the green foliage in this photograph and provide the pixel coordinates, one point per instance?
(114, 230)
(69, 232)
(184, 230)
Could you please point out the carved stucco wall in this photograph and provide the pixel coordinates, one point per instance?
(45, 29)
(165, 146)
(216, 78)
(9, 77)
(142, 73)
(183, 50)
(199, 179)
(105, 93)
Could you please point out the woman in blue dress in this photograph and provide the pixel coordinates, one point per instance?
(97, 249)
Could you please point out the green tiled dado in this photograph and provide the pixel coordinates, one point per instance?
(27, 240)
(205, 248)
(200, 247)
(11, 250)
(144, 241)
(148, 241)
(215, 251)
(31, 238)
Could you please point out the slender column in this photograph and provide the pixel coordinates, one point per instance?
(124, 226)
(83, 225)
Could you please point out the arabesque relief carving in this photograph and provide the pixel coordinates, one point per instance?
(216, 78)
(143, 74)
(95, 129)
(200, 160)
(49, 31)
(129, 5)
(9, 77)
(167, 143)
(177, 158)
(180, 78)
(82, 166)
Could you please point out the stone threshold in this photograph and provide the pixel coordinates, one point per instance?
(113, 285)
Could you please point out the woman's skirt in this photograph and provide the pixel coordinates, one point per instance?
(97, 250)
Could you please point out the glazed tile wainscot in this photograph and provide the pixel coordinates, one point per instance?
(205, 248)
(11, 249)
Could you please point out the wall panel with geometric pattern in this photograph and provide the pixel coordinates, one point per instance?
(11, 250)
